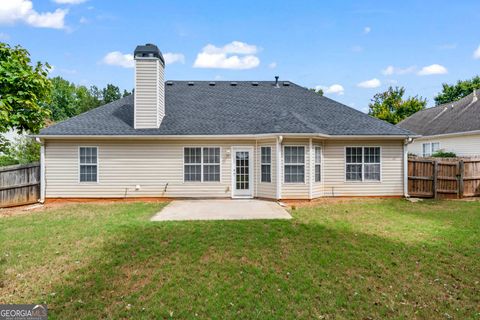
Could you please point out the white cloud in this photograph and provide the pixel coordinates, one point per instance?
(69, 1)
(125, 60)
(370, 84)
(357, 48)
(396, 70)
(272, 65)
(447, 46)
(4, 36)
(83, 20)
(12, 11)
(333, 89)
(367, 30)
(476, 53)
(171, 57)
(432, 69)
(116, 58)
(234, 55)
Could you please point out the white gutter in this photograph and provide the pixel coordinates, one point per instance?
(233, 136)
(446, 135)
(279, 167)
(405, 167)
(42, 170)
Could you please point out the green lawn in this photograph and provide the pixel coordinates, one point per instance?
(361, 259)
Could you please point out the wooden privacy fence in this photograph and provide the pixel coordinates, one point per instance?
(19, 184)
(443, 178)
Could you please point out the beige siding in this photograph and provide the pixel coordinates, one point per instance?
(161, 92)
(265, 189)
(391, 183)
(467, 145)
(147, 93)
(157, 167)
(125, 164)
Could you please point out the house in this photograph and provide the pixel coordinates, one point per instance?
(233, 139)
(451, 127)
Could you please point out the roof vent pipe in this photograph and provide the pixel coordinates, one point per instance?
(475, 98)
(276, 81)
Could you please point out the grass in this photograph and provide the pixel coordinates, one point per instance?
(362, 259)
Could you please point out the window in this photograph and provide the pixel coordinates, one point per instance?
(372, 163)
(211, 164)
(294, 164)
(88, 164)
(426, 150)
(362, 164)
(354, 164)
(192, 158)
(201, 164)
(318, 164)
(266, 163)
(435, 147)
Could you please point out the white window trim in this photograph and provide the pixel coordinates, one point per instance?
(262, 163)
(295, 164)
(363, 165)
(201, 165)
(315, 163)
(97, 164)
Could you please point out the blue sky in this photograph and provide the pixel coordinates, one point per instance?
(352, 49)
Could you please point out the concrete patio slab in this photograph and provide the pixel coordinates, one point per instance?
(182, 210)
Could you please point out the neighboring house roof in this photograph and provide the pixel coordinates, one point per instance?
(454, 117)
(220, 108)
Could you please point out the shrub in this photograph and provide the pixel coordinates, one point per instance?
(7, 161)
(444, 154)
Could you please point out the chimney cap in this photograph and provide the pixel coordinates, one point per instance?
(148, 50)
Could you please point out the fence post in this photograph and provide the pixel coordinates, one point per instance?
(461, 174)
(434, 181)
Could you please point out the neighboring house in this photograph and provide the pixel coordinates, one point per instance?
(452, 127)
(238, 139)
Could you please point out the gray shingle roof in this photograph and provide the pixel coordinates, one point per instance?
(223, 109)
(460, 116)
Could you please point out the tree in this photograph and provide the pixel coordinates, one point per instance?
(126, 93)
(111, 93)
(457, 91)
(24, 89)
(317, 91)
(63, 103)
(391, 107)
(23, 150)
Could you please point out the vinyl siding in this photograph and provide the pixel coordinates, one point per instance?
(147, 96)
(467, 145)
(391, 183)
(161, 92)
(124, 164)
(157, 167)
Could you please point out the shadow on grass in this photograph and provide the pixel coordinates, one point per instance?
(264, 269)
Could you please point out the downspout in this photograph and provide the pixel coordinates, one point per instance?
(279, 166)
(42, 170)
(310, 180)
(405, 167)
